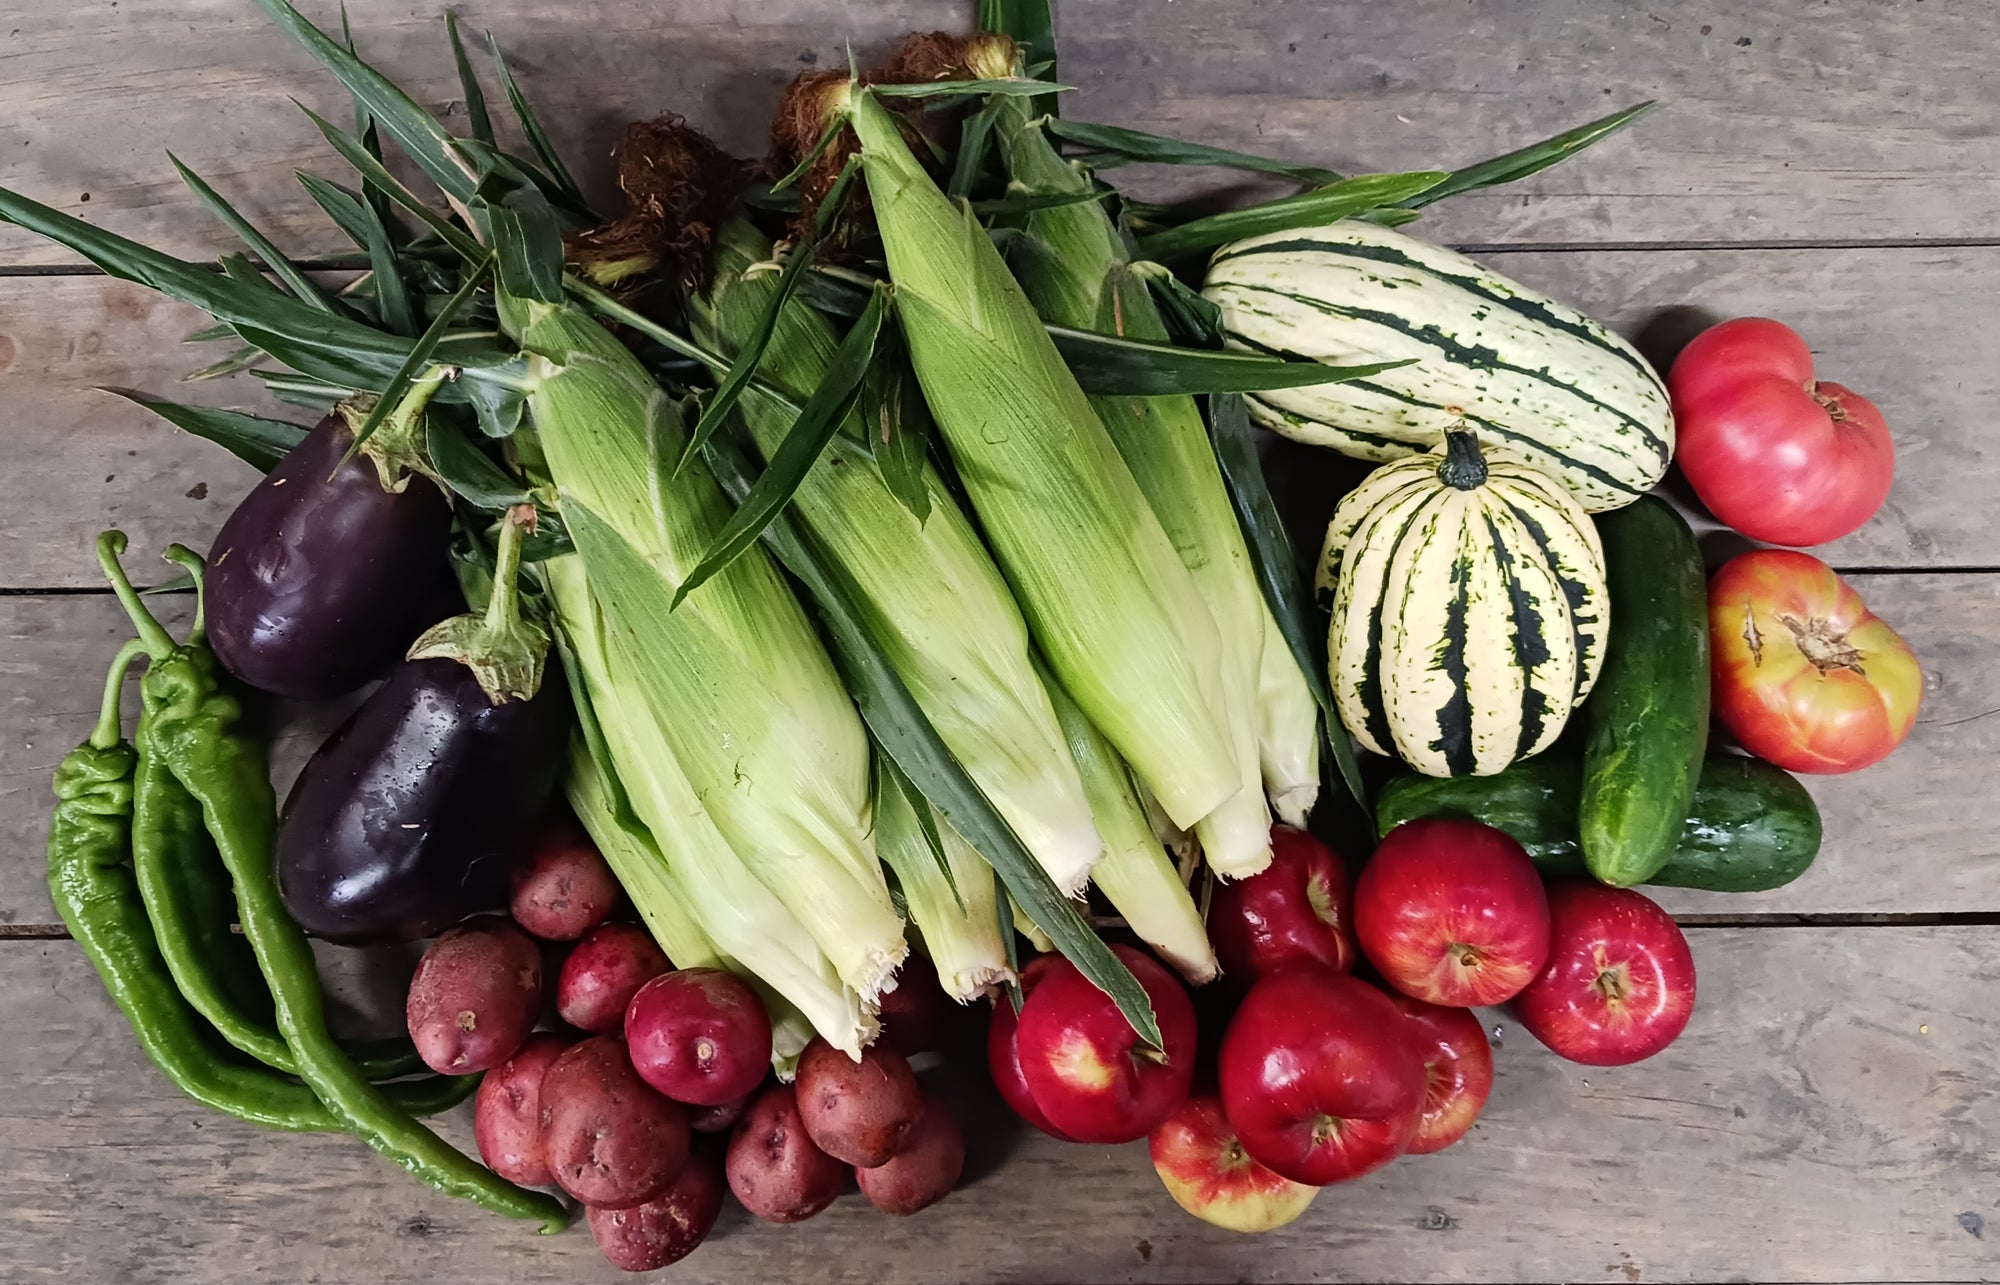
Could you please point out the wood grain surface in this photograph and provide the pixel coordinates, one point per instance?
(1848, 119)
(1829, 1114)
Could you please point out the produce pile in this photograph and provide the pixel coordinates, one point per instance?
(875, 601)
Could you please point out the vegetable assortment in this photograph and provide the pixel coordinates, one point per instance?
(871, 577)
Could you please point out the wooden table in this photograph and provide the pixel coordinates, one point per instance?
(1830, 1114)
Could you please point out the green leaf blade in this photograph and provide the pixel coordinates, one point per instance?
(1278, 573)
(304, 287)
(257, 441)
(1323, 205)
(468, 83)
(1110, 366)
(1113, 145)
(1532, 159)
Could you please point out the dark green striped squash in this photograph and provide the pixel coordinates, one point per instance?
(1533, 378)
(1468, 609)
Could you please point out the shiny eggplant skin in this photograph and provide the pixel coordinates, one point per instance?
(417, 811)
(320, 579)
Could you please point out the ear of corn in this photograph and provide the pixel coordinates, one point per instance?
(1135, 873)
(736, 680)
(690, 885)
(635, 858)
(1074, 265)
(940, 609)
(1106, 597)
(1287, 728)
(958, 917)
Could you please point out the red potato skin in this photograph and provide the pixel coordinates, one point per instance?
(602, 974)
(667, 1228)
(475, 996)
(507, 1116)
(566, 889)
(858, 1112)
(1777, 454)
(699, 1035)
(609, 1138)
(925, 1171)
(719, 1119)
(1003, 1055)
(917, 1015)
(773, 1167)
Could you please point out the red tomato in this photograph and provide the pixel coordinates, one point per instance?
(1805, 675)
(1771, 451)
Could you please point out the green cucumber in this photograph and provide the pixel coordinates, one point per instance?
(1753, 827)
(1646, 722)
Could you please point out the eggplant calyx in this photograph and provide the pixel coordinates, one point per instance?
(396, 447)
(504, 650)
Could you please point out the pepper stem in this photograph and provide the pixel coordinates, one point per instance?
(504, 650)
(158, 643)
(191, 562)
(110, 727)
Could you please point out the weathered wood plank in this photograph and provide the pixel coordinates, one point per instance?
(1910, 328)
(1902, 837)
(1826, 1116)
(1852, 119)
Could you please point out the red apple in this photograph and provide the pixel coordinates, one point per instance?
(1458, 1065)
(1003, 1055)
(1321, 1075)
(1300, 908)
(1084, 1063)
(1208, 1173)
(1452, 912)
(1619, 985)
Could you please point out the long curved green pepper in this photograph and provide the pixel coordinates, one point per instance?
(188, 897)
(98, 900)
(196, 730)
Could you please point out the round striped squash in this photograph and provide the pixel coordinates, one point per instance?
(1468, 605)
(1533, 378)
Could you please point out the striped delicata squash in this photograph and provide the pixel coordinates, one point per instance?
(1534, 379)
(1468, 609)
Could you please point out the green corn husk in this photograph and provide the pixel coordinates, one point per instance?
(1287, 728)
(939, 606)
(959, 917)
(1106, 597)
(1074, 264)
(641, 868)
(738, 683)
(1135, 874)
(676, 864)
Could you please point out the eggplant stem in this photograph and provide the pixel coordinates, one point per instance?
(110, 727)
(504, 650)
(159, 644)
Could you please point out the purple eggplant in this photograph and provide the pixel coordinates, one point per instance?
(417, 811)
(323, 575)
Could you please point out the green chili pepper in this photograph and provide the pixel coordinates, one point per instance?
(188, 896)
(98, 899)
(195, 729)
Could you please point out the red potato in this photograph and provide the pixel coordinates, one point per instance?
(475, 996)
(773, 1166)
(858, 1112)
(602, 974)
(609, 1138)
(700, 1036)
(566, 889)
(507, 1116)
(925, 1171)
(917, 1015)
(719, 1119)
(667, 1228)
